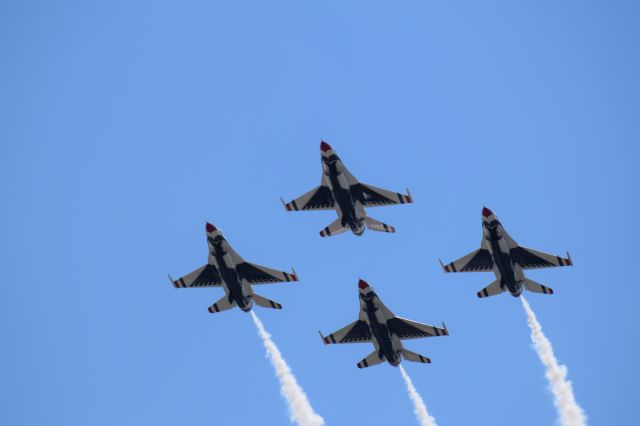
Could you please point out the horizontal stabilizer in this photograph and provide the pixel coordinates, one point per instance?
(221, 305)
(374, 225)
(536, 288)
(491, 290)
(414, 357)
(266, 303)
(333, 229)
(373, 359)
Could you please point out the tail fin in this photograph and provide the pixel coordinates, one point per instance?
(221, 305)
(374, 225)
(536, 288)
(335, 228)
(491, 290)
(414, 357)
(373, 359)
(265, 303)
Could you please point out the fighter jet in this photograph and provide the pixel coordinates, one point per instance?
(225, 268)
(499, 253)
(341, 191)
(378, 325)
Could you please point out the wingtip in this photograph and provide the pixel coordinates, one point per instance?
(285, 205)
(569, 258)
(295, 274)
(322, 337)
(172, 281)
(446, 330)
(409, 196)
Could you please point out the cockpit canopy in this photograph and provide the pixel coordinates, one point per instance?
(492, 224)
(216, 244)
(370, 297)
(330, 160)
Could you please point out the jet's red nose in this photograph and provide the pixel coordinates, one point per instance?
(486, 212)
(210, 227)
(324, 147)
(362, 284)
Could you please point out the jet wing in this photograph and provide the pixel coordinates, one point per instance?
(370, 196)
(531, 259)
(257, 274)
(407, 329)
(204, 276)
(479, 260)
(319, 198)
(356, 332)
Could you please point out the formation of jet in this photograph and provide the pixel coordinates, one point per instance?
(225, 268)
(341, 191)
(378, 325)
(500, 253)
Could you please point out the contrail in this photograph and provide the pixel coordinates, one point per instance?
(568, 409)
(299, 407)
(418, 404)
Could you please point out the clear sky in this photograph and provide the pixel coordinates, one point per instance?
(124, 127)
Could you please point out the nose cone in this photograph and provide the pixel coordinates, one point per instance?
(324, 147)
(362, 284)
(486, 212)
(210, 227)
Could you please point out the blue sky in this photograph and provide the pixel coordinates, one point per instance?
(124, 127)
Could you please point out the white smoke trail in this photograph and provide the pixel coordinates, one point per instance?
(299, 407)
(568, 409)
(418, 404)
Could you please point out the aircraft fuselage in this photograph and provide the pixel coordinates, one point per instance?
(232, 282)
(502, 261)
(341, 191)
(380, 331)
